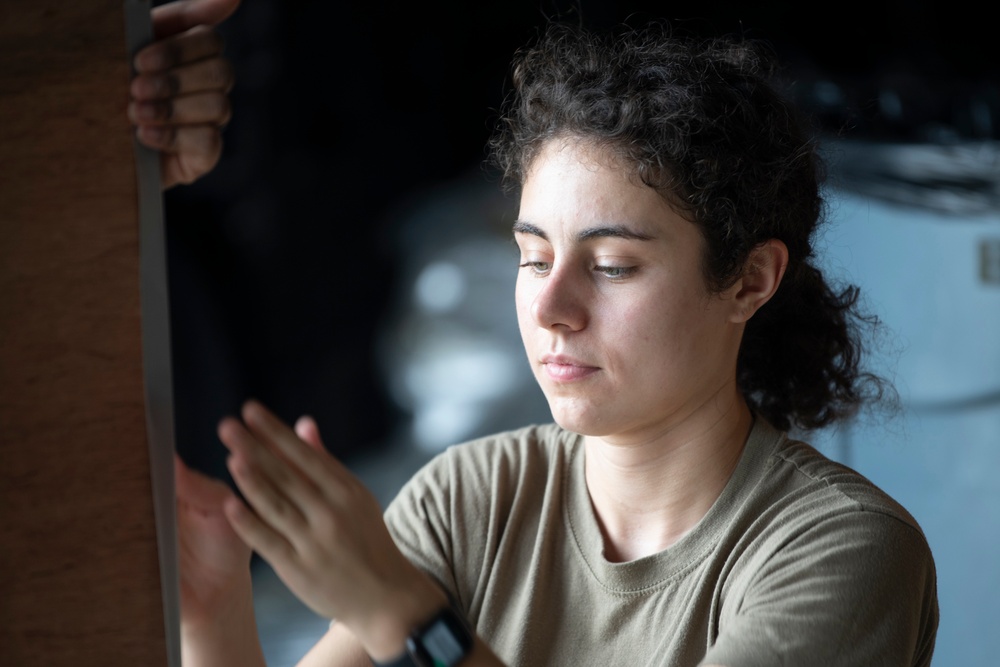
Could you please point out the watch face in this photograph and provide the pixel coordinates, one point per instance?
(444, 642)
(442, 645)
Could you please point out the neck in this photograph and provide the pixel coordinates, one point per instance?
(648, 494)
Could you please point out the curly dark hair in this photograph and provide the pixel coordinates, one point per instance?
(702, 123)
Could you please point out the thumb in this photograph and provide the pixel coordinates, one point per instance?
(196, 489)
(307, 429)
(176, 17)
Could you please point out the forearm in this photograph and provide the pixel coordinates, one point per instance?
(227, 639)
(409, 612)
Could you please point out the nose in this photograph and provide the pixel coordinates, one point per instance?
(560, 301)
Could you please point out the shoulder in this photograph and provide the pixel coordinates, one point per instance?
(822, 562)
(791, 504)
(514, 457)
(482, 477)
(810, 487)
(784, 491)
(811, 508)
(450, 517)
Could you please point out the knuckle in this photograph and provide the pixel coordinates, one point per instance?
(333, 527)
(283, 510)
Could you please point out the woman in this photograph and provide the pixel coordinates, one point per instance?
(673, 319)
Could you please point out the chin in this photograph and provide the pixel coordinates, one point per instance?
(579, 418)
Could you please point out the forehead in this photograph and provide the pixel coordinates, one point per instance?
(574, 182)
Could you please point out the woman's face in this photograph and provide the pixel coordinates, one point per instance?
(621, 331)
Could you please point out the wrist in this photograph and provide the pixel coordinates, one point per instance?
(402, 611)
(443, 641)
(224, 612)
(228, 637)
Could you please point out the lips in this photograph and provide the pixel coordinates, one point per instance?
(561, 368)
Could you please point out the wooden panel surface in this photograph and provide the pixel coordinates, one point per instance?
(79, 579)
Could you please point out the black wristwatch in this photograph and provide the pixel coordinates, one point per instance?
(444, 641)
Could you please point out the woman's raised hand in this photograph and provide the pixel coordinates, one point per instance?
(214, 561)
(322, 531)
(179, 96)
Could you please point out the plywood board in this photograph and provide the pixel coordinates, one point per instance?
(79, 577)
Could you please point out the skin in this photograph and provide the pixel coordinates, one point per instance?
(623, 336)
(178, 98)
(630, 346)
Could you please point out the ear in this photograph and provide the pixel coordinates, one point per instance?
(762, 274)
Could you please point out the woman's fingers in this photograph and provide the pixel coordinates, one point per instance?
(175, 17)
(185, 152)
(199, 43)
(274, 489)
(274, 504)
(318, 467)
(294, 489)
(309, 517)
(182, 81)
(198, 490)
(215, 74)
(179, 97)
(206, 108)
(307, 429)
(257, 534)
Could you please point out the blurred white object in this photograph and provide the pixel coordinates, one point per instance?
(913, 226)
(921, 272)
(453, 356)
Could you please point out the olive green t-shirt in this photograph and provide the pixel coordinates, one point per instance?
(800, 561)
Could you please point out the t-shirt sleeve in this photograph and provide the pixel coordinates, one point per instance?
(857, 588)
(431, 518)
(419, 521)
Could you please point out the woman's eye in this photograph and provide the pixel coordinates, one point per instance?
(536, 267)
(615, 271)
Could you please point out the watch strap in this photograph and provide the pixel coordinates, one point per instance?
(402, 661)
(444, 641)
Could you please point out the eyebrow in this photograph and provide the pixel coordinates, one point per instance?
(604, 231)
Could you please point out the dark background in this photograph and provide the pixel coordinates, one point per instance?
(283, 261)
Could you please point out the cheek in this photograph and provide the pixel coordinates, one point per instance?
(522, 304)
(525, 292)
(651, 331)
